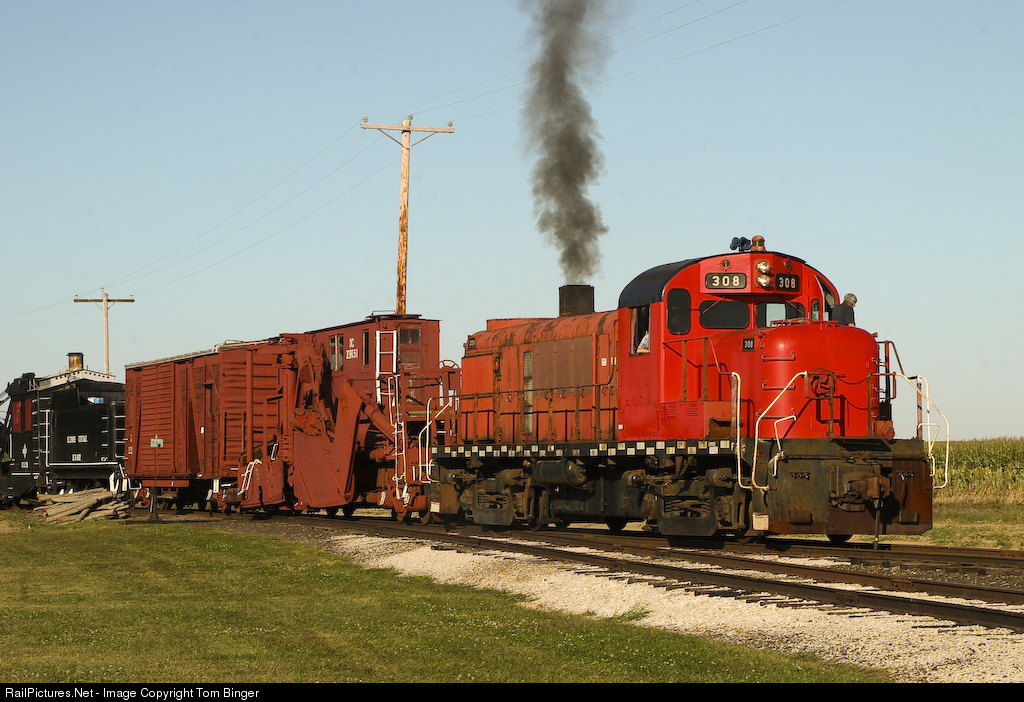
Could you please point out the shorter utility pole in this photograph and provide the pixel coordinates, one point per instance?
(403, 212)
(106, 302)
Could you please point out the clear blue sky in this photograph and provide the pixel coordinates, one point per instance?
(166, 150)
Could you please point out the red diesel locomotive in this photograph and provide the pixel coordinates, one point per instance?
(717, 398)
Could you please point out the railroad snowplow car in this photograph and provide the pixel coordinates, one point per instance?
(331, 419)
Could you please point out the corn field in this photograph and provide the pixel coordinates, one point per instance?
(984, 470)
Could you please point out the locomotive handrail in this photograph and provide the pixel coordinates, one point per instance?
(926, 423)
(774, 461)
(884, 362)
(423, 442)
(496, 412)
(757, 428)
(708, 344)
(737, 405)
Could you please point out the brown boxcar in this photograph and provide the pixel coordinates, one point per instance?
(330, 419)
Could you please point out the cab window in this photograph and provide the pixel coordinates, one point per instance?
(678, 301)
(640, 317)
(828, 295)
(724, 314)
(768, 312)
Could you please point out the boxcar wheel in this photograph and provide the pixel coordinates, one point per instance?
(839, 538)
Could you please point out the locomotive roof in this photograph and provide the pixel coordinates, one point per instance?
(649, 286)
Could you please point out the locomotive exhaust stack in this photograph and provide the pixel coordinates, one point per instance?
(575, 300)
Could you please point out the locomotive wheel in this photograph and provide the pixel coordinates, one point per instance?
(348, 510)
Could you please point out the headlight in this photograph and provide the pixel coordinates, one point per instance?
(763, 266)
(764, 280)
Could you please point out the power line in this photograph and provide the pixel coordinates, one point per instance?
(128, 277)
(271, 235)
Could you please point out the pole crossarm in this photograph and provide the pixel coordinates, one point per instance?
(406, 129)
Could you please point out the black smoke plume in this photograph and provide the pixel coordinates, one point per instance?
(564, 134)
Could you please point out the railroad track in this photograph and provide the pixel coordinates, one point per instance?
(744, 577)
(763, 574)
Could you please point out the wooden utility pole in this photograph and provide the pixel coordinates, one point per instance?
(106, 302)
(403, 212)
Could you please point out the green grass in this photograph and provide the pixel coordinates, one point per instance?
(130, 603)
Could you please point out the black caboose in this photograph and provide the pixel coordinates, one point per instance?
(62, 432)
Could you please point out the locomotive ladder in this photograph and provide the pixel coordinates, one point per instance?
(389, 394)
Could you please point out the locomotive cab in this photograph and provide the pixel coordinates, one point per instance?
(737, 350)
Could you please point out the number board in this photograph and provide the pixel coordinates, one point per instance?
(786, 282)
(726, 281)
